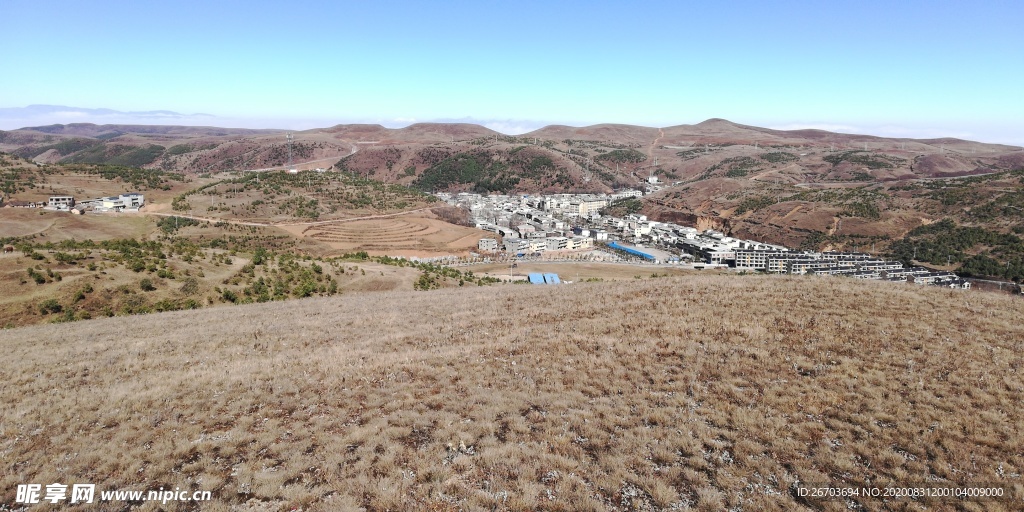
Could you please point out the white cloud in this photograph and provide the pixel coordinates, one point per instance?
(514, 127)
(71, 115)
(41, 115)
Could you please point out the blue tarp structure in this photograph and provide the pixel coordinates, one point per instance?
(538, 278)
(632, 251)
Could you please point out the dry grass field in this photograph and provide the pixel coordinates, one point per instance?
(55, 226)
(704, 392)
(415, 234)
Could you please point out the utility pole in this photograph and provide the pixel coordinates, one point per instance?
(290, 137)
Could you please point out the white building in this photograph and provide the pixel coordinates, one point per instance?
(586, 208)
(516, 245)
(581, 242)
(626, 193)
(130, 201)
(487, 244)
(557, 243)
(61, 202)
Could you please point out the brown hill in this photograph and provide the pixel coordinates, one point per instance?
(357, 132)
(716, 170)
(726, 393)
(441, 132)
(616, 133)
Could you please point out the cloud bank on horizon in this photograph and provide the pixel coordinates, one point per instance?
(12, 118)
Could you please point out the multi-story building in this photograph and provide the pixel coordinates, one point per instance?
(61, 202)
(756, 260)
(132, 201)
(487, 244)
(557, 243)
(516, 245)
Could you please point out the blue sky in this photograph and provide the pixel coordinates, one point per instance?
(906, 68)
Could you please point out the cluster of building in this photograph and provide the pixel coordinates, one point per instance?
(535, 245)
(849, 264)
(540, 223)
(131, 201)
(533, 224)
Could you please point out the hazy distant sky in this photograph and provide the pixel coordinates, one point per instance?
(907, 68)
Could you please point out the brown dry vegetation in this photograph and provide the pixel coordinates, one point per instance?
(756, 182)
(710, 392)
(415, 234)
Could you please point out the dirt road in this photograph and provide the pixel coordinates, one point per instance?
(283, 224)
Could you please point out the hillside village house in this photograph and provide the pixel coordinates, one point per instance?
(61, 202)
(130, 201)
(20, 204)
(487, 244)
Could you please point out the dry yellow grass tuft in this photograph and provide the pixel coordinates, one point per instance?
(710, 392)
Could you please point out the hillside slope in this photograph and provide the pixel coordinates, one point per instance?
(714, 392)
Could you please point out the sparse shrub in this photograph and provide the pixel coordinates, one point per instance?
(50, 306)
(189, 286)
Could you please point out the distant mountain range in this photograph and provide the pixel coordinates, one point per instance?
(34, 111)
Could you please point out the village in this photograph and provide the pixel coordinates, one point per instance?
(559, 226)
(571, 226)
(127, 202)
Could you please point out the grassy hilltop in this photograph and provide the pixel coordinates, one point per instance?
(711, 392)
